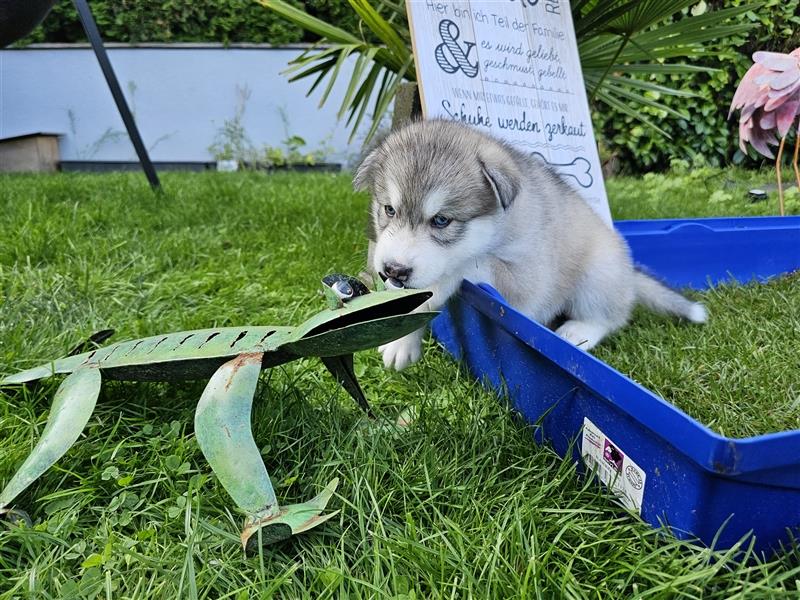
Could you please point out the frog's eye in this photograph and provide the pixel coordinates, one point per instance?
(343, 290)
(340, 288)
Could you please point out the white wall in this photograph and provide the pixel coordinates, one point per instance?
(180, 94)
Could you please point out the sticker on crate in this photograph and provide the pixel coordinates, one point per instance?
(613, 466)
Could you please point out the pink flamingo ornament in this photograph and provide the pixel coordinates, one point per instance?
(769, 99)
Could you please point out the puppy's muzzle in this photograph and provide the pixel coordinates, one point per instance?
(394, 270)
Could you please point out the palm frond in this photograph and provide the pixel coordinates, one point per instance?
(309, 23)
(631, 45)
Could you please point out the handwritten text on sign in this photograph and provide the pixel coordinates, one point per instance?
(511, 68)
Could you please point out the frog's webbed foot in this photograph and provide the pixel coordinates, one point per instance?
(222, 428)
(289, 520)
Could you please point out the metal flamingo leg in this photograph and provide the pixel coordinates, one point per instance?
(780, 181)
(797, 154)
(222, 427)
(73, 406)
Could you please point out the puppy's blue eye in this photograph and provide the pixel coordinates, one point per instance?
(389, 210)
(440, 222)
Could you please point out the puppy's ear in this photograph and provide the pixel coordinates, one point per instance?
(502, 177)
(365, 173)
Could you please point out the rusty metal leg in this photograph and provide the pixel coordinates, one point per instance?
(778, 168)
(90, 27)
(796, 154)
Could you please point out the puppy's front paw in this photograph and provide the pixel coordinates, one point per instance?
(582, 334)
(402, 352)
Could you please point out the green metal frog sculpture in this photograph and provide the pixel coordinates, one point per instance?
(233, 358)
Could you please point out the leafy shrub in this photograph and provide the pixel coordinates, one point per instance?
(171, 21)
(707, 137)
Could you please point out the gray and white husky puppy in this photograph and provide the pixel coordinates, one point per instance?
(450, 203)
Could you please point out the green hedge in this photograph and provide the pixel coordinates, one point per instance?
(223, 21)
(707, 137)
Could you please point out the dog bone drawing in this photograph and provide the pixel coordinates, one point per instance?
(579, 168)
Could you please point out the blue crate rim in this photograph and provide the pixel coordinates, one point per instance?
(650, 227)
(713, 452)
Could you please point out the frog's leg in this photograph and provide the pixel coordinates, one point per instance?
(222, 427)
(73, 406)
(341, 367)
(92, 342)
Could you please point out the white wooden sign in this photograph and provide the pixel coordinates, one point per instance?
(510, 68)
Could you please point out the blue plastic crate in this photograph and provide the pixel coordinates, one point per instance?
(692, 479)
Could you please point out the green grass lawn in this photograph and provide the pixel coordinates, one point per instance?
(463, 504)
(738, 374)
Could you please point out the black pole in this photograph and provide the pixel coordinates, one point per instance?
(90, 27)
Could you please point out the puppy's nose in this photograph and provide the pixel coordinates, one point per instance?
(396, 271)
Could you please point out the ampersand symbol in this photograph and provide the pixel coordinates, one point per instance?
(449, 54)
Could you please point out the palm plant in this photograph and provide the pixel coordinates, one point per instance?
(619, 41)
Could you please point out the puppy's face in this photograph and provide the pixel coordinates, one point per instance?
(437, 195)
